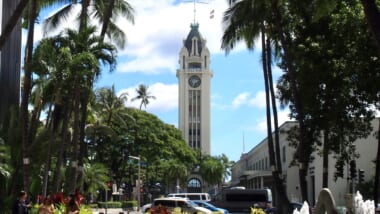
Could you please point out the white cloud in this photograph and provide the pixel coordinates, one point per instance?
(258, 100)
(166, 97)
(240, 100)
(154, 41)
(160, 27)
(261, 126)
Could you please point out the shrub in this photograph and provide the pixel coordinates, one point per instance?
(129, 204)
(110, 204)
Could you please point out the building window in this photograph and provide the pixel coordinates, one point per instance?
(284, 154)
(194, 183)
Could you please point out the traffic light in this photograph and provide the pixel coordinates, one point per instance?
(109, 184)
(361, 175)
(353, 169)
(339, 169)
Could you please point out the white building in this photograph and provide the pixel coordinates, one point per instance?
(253, 170)
(194, 76)
(194, 85)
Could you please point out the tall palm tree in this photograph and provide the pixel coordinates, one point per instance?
(245, 20)
(143, 95)
(26, 88)
(32, 14)
(86, 52)
(303, 148)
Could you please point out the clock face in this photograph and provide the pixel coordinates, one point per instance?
(194, 81)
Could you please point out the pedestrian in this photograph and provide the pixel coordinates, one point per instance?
(72, 206)
(21, 205)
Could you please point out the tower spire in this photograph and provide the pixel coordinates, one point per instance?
(195, 10)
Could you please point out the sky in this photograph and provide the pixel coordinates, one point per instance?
(238, 118)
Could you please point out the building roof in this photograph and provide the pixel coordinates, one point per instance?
(194, 32)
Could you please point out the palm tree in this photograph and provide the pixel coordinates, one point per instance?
(245, 20)
(212, 170)
(85, 52)
(143, 95)
(95, 177)
(26, 88)
(100, 10)
(108, 103)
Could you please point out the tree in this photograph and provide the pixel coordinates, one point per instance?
(244, 21)
(109, 103)
(143, 95)
(329, 66)
(212, 170)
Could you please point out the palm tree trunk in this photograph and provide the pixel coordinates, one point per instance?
(274, 109)
(75, 140)
(53, 129)
(26, 92)
(60, 158)
(377, 173)
(12, 22)
(281, 199)
(82, 145)
(84, 15)
(372, 15)
(107, 18)
(301, 152)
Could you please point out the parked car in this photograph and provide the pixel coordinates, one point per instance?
(172, 203)
(146, 208)
(211, 207)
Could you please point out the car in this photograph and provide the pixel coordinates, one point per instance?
(146, 208)
(211, 207)
(170, 204)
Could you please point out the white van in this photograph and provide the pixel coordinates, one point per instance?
(192, 196)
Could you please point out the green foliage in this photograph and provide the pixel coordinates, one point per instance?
(129, 204)
(110, 204)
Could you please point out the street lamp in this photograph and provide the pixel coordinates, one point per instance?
(138, 178)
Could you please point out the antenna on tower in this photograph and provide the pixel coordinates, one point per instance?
(243, 144)
(197, 1)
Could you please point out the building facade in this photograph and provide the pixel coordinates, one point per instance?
(194, 86)
(252, 170)
(10, 62)
(194, 82)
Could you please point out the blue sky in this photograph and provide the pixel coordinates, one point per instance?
(151, 58)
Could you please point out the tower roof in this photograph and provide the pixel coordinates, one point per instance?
(194, 33)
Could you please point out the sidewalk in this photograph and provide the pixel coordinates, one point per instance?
(113, 211)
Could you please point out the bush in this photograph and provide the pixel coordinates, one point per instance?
(110, 204)
(129, 204)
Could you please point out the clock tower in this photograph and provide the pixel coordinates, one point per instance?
(194, 76)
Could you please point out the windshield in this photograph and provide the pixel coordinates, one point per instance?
(193, 204)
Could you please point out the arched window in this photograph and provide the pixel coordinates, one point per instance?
(194, 185)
